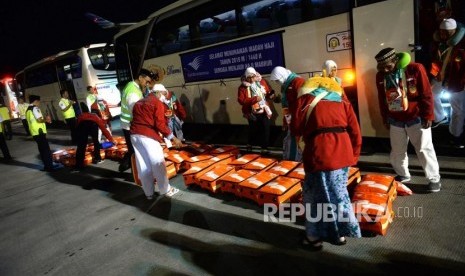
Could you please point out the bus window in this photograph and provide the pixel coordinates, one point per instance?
(101, 58)
(41, 76)
(218, 28)
(130, 46)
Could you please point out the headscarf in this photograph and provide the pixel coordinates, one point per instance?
(329, 65)
(280, 74)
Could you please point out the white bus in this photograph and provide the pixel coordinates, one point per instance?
(73, 70)
(204, 47)
(8, 89)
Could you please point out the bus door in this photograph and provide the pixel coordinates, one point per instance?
(377, 26)
(65, 80)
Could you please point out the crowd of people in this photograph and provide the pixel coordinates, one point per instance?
(322, 130)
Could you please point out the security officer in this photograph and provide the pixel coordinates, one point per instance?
(5, 112)
(3, 145)
(22, 107)
(38, 131)
(132, 92)
(66, 106)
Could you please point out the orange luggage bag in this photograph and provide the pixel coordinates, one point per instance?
(260, 164)
(177, 157)
(209, 180)
(240, 162)
(196, 171)
(377, 183)
(373, 211)
(233, 150)
(279, 190)
(187, 164)
(284, 167)
(229, 182)
(354, 176)
(298, 172)
(249, 187)
(223, 159)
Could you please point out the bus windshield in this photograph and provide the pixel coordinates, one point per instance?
(102, 58)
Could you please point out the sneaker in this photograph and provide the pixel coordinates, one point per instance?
(457, 143)
(436, 124)
(403, 179)
(434, 187)
(171, 192)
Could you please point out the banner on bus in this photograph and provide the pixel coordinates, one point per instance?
(230, 60)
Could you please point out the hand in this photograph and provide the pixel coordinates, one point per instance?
(176, 142)
(259, 99)
(426, 124)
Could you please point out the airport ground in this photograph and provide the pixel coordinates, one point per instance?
(99, 223)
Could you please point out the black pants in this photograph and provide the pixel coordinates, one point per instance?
(127, 137)
(26, 126)
(7, 129)
(259, 131)
(4, 147)
(71, 122)
(44, 150)
(83, 130)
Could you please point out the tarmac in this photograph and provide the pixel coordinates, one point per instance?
(99, 223)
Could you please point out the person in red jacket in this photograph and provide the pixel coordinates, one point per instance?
(406, 105)
(332, 138)
(89, 124)
(175, 114)
(290, 84)
(148, 122)
(253, 94)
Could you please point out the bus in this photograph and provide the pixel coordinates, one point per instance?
(73, 70)
(204, 46)
(8, 92)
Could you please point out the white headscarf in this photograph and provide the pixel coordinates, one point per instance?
(328, 66)
(280, 74)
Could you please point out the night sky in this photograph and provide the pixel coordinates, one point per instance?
(34, 29)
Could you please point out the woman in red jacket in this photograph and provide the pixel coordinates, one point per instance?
(253, 94)
(332, 143)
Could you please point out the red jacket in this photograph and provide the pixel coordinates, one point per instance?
(291, 95)
(329, 150)
(246, 101)
(148, 118)
(86, 116)
(419, 96)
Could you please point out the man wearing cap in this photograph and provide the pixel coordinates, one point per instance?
(449, 61)
(290, 84)
(148, 122)
(253, 94)
(406, 105)
(38, 131)
(132, 92)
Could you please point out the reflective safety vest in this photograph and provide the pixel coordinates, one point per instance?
(70, 112)
(131, 88)
(5, 113)
(34, 126)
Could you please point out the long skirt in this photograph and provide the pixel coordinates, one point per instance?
(329, 213)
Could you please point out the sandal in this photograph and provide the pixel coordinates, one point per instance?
(171, 192)
(312, 245)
